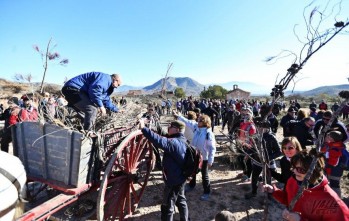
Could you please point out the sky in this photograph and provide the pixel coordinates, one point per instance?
(211, 41)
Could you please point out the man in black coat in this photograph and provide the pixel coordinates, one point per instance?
(232, 119)
(291, 115)
(211, 112)
(336, 125)
(303, 131)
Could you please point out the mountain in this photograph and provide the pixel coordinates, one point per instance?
(331, 90)
(190, 86)
(125, 88)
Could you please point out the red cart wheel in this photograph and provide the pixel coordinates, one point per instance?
(125, 178)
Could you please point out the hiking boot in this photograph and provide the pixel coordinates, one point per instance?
(188, 188)
(205, 197)
(250, 195)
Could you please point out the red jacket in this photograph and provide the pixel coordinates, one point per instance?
(17, 114)
(247, 129)
(334, 150)
(316, 204)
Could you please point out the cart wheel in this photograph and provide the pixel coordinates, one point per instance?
(125, 178)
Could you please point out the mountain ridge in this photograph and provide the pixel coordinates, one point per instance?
(192, 87)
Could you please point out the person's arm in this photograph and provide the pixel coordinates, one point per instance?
(211, 147)
(189, 124)
(98, 93)
(157, 140)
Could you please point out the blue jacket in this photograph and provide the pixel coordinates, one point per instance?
(97, 85)
(174, 151)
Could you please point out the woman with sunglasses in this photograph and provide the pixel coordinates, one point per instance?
(318, 200)
(290, 147)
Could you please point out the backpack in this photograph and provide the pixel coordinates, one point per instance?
(345, 159)
(191, 161)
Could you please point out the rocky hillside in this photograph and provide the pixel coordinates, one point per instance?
(190, 86)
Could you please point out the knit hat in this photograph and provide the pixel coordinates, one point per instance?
(178, 124)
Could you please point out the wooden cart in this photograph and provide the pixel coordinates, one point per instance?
(115, 166)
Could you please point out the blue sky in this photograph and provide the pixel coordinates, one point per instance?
(211, 41)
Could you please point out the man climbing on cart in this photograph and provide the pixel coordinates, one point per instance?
(90, 94)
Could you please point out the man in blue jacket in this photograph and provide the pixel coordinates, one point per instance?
(174, 151)
(90, 93)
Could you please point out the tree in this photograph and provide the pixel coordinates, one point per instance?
(179, 92)
(47, 56)
(214, 92)
(316, 37)
(22, 78)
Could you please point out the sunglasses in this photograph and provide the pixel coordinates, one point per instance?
(150, 109)
(326, 118)
(300, 170)
(288, 148)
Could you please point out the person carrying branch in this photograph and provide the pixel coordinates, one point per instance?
(271, 148)
(90, 93)
(318, 201)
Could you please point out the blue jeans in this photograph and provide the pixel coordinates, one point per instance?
(174, 196)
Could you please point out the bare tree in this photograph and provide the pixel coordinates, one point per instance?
(46, 57)
(25, 78)
(164, 81)
(316, 38)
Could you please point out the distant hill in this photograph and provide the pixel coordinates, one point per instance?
(126, 88)
(190, 86)
(331, 90)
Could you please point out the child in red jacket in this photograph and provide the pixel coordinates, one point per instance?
(333, 148)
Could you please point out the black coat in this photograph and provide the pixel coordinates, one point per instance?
(336, 125)
(286, 172)
(303, 134)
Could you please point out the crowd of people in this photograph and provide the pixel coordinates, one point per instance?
(322, 198)
(194, 123)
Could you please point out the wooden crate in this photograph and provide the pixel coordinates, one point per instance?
(54, 154)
